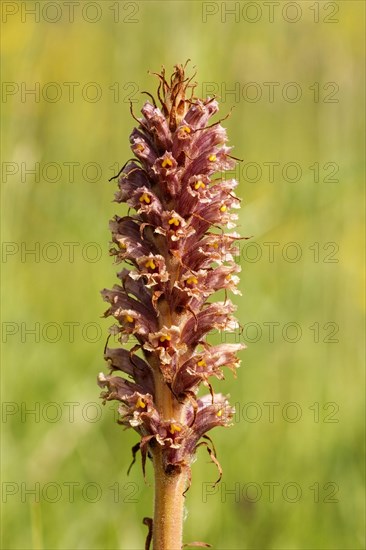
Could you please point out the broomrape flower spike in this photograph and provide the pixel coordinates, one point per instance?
(177, 259)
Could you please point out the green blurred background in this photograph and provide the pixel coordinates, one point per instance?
(309, 452)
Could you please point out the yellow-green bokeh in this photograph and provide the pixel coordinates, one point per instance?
(318, 375)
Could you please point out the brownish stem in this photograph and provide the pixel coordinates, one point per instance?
(169, 506)
(169, 487)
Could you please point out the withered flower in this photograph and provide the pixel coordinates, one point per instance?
(179, 256)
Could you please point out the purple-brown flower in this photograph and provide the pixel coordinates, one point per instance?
(178, 257)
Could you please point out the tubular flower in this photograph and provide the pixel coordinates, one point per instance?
(177, 260)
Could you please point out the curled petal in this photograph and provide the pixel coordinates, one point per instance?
(132, 178)
(158, 126)
(125, 361)
(168, 345)
(200, 113)
(153, 269)
(143, 147)
(214, 316)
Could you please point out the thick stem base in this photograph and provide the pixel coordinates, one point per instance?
(169, 506)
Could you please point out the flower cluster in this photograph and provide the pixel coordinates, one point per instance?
(179, 256)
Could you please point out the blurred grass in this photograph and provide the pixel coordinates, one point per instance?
(305, 292)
